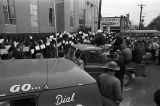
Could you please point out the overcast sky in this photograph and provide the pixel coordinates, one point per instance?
(111, 8)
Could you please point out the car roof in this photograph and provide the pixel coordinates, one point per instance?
(61, 73)
(86, 47)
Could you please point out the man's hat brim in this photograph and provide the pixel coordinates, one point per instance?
(113, 69)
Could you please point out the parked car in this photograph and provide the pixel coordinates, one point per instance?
(93, 59)
(89, 57)
(46, 82)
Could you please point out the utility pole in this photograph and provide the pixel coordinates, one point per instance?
(140, 21)
(99, 14)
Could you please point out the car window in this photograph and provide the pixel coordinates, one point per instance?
(78, 54)
(94, 57)
(19, 102)
(71, 52)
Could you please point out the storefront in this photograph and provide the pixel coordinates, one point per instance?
(115, 24)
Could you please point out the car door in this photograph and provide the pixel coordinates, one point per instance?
(94, 63)
(80, 95)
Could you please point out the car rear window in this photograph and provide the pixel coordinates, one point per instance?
(19, 102)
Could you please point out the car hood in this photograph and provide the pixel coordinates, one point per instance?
(23, 76)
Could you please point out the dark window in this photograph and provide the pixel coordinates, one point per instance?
(51, 16)
(19, 102)
(94, 57)
(78, 54)
(9, 12)
(6, 17)
(81, 21)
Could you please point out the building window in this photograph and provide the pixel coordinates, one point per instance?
(9, 12)
(72, 13)
(71, 19)
(82, 17)
(51, 16)
(34, 13)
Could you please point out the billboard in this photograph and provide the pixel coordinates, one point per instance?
(111, 21)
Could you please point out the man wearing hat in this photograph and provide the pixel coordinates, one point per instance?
(109, 85)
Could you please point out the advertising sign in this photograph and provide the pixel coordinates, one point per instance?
(111, 21)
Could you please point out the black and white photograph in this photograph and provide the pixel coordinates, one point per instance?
(79, 52)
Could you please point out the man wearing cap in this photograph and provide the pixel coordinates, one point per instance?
(110, 86)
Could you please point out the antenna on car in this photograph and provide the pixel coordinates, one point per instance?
(56, 45)
(46, 85)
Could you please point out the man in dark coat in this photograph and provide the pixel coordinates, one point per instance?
(99, 39)
(17, 53)
(110, 86)
(120, 61)
(138, 52)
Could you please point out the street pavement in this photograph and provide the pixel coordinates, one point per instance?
(141, 91)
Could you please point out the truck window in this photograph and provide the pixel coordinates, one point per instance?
(19, 102)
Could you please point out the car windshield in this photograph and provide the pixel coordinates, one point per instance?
(94, 57)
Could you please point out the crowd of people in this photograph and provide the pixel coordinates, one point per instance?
(27, 47)
(30, 47)
(124, 49)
